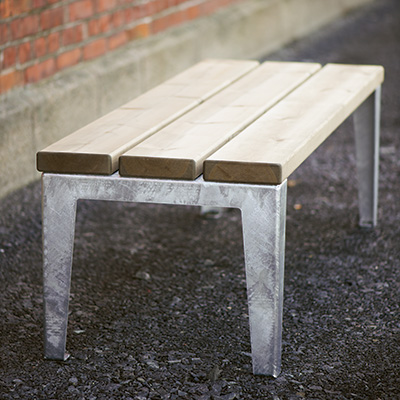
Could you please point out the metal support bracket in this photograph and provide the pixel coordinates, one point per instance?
(263, 211)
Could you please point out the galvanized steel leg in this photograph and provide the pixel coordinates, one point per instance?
(264, 220)
(366, 126)
(263, 217)
(59, 210)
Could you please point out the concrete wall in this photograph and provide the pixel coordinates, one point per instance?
(35, 116)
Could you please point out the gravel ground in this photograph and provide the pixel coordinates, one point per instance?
(158, 304)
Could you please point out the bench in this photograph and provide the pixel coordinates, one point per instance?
(224, 133)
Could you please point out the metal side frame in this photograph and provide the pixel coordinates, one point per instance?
(367, 131)
(263, 211)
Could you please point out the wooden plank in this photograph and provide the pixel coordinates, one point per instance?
(178, 150)
(97, 147)
(278, 142)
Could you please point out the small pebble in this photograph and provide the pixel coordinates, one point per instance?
(229, 396)
(152, 364)
(143, 275)
(73, 390)
(216, 389)
(214, 374)
(176, 300)
(73, 380)
(315, 387)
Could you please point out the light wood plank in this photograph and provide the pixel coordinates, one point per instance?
(97, 147)
(278, 142)
(178, 150)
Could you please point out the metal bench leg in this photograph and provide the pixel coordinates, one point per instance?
(59, 210)
(366, 126)
(264, 220)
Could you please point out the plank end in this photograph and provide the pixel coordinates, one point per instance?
(157, 167)
(243, 172)
(74, 163)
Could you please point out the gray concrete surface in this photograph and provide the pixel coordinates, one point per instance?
(158, 303)
(34, 117)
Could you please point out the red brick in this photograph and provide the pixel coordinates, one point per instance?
(42, 3)
(40, 46)
(177, 18)
(143, 30)
(40, 71)
(223, 3)
(3, 33)
(93, 27)
(51, 18)
(5, 9)
(68, 58)
(24, 52)
(81, 9)
(32, 74)
(117, 40)
(118, 19)
(104, 23)
(53, 42)
(208, 7)
(160, 24)
(154, 6)
(161, 5)
(94, 49)
(72, 35)
(148, 9)
(139, 31)
(38, 3)
(10, 80)
(9, 56)
(104, 5)
(193, 12)
(132, 14)
(22, 27)
(211, 6)
(19, 6)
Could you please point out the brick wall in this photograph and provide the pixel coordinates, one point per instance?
(40, 37)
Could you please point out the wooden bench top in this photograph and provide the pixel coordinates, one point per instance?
(234, 121)
(95, 148)
(295, 126)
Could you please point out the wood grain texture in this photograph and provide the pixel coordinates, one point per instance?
(269, 150)
(179, 150)
(95, 149)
